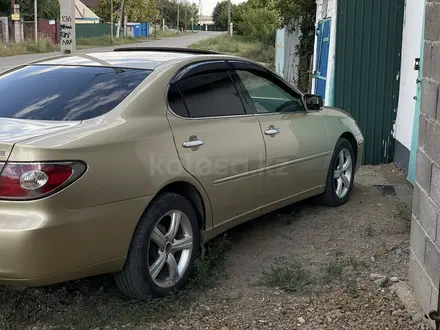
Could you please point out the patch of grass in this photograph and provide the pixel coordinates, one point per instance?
(107, 41)
(339, 253)
(44, 45)
(239, 46)
(334, 270)
(290, 277)
(403, 212)
(356, 263)
(167, 33)
(96, 302)
(352, 288)
(371, 229)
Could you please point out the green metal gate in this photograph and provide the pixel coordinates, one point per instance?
(367, 70)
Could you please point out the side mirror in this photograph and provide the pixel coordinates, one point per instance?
(313, 102)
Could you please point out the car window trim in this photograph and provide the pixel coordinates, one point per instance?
(249, 67)
(181, 74)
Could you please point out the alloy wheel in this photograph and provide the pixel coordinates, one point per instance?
(170, 248)
(343, 173)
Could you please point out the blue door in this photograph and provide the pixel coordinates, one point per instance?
(322, 51)
(415, 134)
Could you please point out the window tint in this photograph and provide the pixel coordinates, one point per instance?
(65, 92)
(268, 96)
(175, 101)
(211, 93)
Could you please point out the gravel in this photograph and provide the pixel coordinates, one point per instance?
(349, 257)
(353, 266)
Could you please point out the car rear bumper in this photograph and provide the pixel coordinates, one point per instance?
(39, 246)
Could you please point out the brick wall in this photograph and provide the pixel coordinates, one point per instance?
(425, 229)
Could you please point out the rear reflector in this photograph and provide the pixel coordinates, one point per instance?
(25, 181)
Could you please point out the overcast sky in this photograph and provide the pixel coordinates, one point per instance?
(208, 5)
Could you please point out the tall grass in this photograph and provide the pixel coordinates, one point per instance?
(106, 41)
(166, 33)
(44, 45)
(239, 46)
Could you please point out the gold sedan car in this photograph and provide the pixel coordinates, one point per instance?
(125, 162)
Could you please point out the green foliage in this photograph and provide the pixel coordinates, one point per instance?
(251, 21)
(136, 10)
(5, 8)
(239, 46)
(302, 14)
(258, 19)
(258, 24)
(48, 9)
(220, 14)
(150, 10)
(44, 45)
(287, 276)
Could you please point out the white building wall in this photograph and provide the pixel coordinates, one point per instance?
(291, 60)
(411, 46)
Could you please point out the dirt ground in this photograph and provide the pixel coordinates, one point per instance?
(303, 267)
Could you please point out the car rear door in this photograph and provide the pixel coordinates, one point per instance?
(218, 142)
(296, 140)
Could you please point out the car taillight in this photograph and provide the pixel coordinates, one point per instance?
(24, 181)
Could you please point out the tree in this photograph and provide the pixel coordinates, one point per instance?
(220, 15)
(302, 14)
(49, 9)
(136, 10)
(149, 10)
(258, 24)
(5, 8)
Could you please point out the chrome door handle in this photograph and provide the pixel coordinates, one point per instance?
(192, 144)
(271, 131)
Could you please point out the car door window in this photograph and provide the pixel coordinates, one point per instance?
(267, 96)
(206, 94)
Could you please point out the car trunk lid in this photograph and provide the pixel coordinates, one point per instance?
(13, 131)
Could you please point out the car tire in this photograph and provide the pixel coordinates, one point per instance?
(163, 249)
(340, 176)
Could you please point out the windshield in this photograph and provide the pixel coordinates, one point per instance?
(46, 92)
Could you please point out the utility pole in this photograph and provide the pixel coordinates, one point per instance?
(229, 18)
(178, 13)
(111, 19)
(35, 21)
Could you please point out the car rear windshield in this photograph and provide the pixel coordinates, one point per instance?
(45, 92)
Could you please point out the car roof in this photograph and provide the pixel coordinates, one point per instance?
(135, 59)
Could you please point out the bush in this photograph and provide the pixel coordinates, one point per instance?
(44, 45)
(258, 24)
(239, 46)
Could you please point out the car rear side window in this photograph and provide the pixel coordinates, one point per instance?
(45, 92)
(208, 94)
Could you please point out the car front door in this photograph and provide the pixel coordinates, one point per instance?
(218, 142)
(297, 148)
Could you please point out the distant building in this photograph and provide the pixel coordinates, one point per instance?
(83, 14)
(92, 4)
